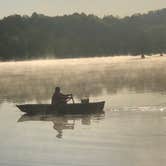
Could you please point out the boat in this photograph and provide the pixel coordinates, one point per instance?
(74, 108)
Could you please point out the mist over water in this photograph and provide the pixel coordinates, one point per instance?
(130, 133)
(93, 77)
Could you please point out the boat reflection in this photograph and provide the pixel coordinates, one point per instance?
(65, 122)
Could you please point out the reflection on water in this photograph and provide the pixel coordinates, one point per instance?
(66, 122)
(35, 80)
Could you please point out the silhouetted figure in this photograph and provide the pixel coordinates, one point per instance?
(59, 98)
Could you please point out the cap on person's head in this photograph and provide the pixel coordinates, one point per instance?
(57, 89)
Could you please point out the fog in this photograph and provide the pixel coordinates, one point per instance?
(85, 77)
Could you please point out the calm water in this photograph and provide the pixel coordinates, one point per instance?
(132, 132)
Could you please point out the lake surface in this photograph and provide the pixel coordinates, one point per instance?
(132, 132)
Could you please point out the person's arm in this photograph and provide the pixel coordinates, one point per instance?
(67, 95)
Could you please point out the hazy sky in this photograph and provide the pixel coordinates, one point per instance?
(97, 7)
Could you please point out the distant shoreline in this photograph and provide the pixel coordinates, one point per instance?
(79, 57)
(120, 57)
(72, 58)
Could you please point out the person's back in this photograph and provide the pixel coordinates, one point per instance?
(59, 98)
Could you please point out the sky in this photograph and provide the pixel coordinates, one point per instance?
(60, 7)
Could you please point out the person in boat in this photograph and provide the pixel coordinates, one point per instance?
(59, 98)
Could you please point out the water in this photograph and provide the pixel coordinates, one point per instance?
(132, 132)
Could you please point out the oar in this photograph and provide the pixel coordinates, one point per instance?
(72, 99)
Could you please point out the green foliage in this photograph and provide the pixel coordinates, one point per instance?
(24, 37)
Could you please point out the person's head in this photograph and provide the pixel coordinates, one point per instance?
(57, 89)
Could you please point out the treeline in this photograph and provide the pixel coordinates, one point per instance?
(81, 35)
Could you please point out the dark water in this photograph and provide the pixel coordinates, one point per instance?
(132, 132)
